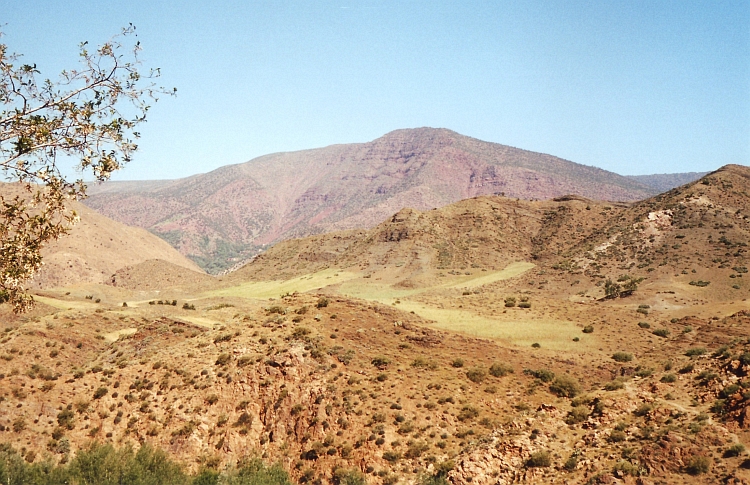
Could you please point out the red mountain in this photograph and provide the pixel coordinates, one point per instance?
(229, 214)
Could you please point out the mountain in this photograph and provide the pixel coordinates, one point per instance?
(480, 343)
(97, 247)
(224, 216)
(694, 231)
(667, 181)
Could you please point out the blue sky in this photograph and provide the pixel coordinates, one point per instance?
(630, 86)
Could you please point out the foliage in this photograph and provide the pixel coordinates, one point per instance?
(698, 465)
(499, 370)
(543, 375)
(476, 375)
(540, 459)
(622, 357)
(565, 386)
(612, 289)
(89, 115)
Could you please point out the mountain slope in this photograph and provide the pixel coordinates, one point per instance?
(228, 214)
(97, 247)
(698, 232)
(667, 181)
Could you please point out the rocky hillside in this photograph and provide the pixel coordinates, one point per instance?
(226, 215)
(693, 230)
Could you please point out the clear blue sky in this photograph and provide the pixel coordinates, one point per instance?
(630, 86)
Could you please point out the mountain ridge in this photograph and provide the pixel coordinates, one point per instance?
(235, 211)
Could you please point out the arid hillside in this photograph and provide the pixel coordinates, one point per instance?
(491, 341)
(224, 216)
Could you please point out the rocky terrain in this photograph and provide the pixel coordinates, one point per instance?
(224, 216)
(490, 341)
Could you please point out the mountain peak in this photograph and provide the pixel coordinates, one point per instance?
(227, 215)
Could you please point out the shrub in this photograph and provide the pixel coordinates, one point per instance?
(616, 436)
(700, 283)
(416, 449)
(735, 450)
(188, 306)
(476, 375)
(458, 363)
(540, 459)
(223, 359)
(622, 357)
(510, 301)
(669, 378)
(543, 375)
(301, 332)
(468, 413)
(391, 456)
(695, 351)
(661, 332)
(643, 410)
(380, 362)
(698, 465)
(343, 476)
(577, 415)
(500, 370)
(524, 304)
(614, 385)
(644, 324)
(565, 386)
(536, 345)
(588, 329)
(322, 302)
(101, 392)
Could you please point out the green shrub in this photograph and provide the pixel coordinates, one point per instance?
(510, 301)
(614, 385)
(588, 329)
(223, 359)
(380, 362)
(696, 351)
(322, 302)
(735, 450)
(500, 370)
(644, 324)
(669, 378)
(343, 476)
(457, 363)
(698, 465)
(577, 415)
(540, 459)
(622, 357)
(476, 375)
(661, 332)
(565, 386)
(101, 392)
(543, 375)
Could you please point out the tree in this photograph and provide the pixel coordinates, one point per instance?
(87, 120)
(612, 289)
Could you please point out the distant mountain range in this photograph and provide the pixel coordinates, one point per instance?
(227, 215)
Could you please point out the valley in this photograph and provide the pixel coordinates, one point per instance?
(492, 340)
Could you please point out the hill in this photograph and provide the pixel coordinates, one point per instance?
(224, 216)
(96, 247)
(483, 342)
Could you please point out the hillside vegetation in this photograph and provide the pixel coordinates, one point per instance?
(490, 341)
